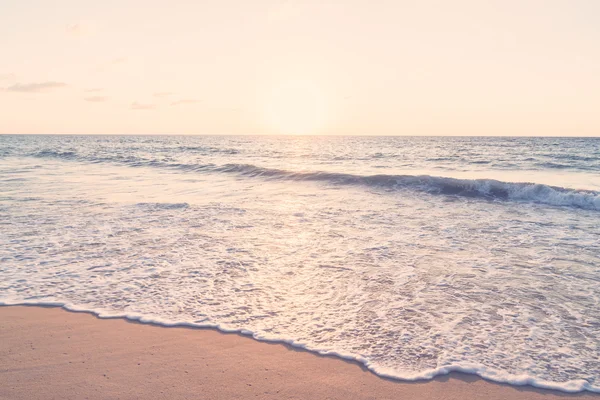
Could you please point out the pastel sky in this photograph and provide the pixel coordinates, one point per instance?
(461, 67)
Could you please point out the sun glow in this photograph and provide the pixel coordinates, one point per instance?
(296, 108)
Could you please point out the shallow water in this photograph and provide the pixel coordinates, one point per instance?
(415, 256)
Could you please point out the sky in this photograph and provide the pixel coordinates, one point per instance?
(461, 67)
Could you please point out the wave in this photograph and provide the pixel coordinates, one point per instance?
(164, 206)
(492, 374)
(552, 165)
(489, 189)
(207, 149)
(483, 188)
(56, 154)
(572, 157)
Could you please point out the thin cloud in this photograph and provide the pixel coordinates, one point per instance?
(7, 77)
(184, 101)
(35, 87)
(162, 94)
(94, 90)
(81, 29)
(119, 60)
(96, 99)
(74, 29)
(139, 106)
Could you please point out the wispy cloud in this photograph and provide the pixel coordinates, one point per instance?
(80, 29)
(7, 77)
(96, 99)
(140, 106)
(74, 29)
(93, 90)
(119, 60)
(184, 101)
(162, 94)
(35, 87)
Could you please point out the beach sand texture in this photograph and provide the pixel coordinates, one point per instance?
(50, 353)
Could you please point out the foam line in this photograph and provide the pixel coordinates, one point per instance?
(498, 376)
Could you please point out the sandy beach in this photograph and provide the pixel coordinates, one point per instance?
(289, 199)
(50, 353)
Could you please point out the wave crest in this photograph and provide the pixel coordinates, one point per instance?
(482, 188)
(490, 189)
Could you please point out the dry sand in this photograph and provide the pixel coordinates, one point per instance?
(49, 353)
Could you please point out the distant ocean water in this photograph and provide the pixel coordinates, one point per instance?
(413, 255)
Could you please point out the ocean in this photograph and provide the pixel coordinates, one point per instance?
(415, 256)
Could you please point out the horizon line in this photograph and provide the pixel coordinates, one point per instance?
(289, 135)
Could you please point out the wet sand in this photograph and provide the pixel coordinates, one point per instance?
(50, 353)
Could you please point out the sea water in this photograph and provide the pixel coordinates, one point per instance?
(415, 256)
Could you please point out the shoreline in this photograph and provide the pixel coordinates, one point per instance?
(51, 352)
(428, 375)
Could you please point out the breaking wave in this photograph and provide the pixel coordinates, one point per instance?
(489, 189)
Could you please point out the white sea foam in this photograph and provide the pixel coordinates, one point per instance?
(412, 275)
(572, 386)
